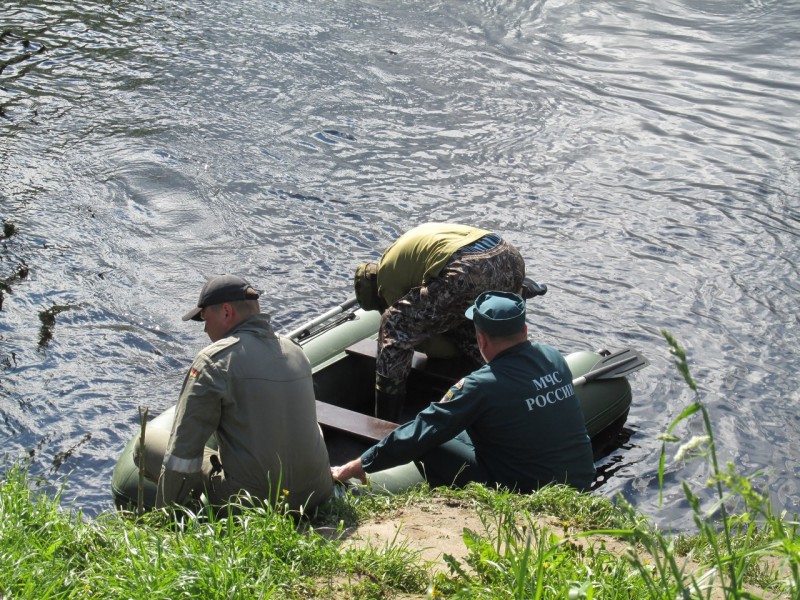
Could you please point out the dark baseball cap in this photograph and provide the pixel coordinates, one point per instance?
(498, 313)
(221, 289)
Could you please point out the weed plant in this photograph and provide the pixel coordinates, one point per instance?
(740, 542)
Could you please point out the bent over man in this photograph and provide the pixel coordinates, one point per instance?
(422, 284)
(515, 422)
(253, 389)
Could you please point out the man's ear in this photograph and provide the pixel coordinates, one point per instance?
(481, 337)
(228, 311)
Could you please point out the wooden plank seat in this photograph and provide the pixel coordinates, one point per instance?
(355, 423)
(436, 374)
(443, 371)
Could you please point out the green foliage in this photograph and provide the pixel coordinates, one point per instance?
(681, 362)
(520, 558)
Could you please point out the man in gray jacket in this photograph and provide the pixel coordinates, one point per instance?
(253, 389)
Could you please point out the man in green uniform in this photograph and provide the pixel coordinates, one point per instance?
(253, 389)
(515, 422)
(422, 284)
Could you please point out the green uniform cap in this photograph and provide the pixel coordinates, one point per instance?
(498, 313)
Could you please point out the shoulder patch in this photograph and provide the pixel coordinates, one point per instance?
(452, 391)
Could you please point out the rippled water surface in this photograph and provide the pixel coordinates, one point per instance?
(642, 155)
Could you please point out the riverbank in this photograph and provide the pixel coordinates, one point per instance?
(441, 543)
(473, 543)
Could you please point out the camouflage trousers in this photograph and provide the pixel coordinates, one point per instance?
(438, 309)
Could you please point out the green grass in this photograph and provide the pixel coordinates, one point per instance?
(588, 547)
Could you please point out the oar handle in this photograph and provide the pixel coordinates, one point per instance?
(348, 304)
(531, 289)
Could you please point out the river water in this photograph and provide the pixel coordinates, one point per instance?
(643, 156)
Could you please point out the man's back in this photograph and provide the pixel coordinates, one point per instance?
(530, 429)
(420, 254)
(266, 426)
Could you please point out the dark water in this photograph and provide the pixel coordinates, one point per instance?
(642, 155)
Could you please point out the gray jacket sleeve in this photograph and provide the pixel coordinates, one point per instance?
(197, 416)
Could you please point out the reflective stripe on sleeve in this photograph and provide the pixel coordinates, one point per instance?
(183, 465)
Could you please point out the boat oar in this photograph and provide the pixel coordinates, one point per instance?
(530, 289)
(306, 328)
(617, 364)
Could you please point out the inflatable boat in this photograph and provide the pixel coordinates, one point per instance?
(341, 346)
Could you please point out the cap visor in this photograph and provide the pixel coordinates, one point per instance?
(193, 315)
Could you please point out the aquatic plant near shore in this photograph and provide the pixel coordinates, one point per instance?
(9, 229)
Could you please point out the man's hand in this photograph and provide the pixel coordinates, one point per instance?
(351, 470)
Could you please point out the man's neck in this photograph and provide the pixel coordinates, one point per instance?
(495, 346)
